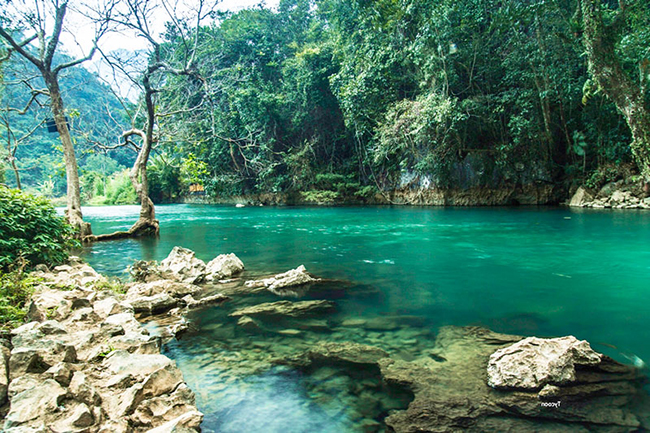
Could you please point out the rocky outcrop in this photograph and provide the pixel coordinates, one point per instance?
(535, 362)
(287, 309)
(345, 352)
(279, 282)
(452, 393)
(90, 366)
(182, 265)
(614, 195)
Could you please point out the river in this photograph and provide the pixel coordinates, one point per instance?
(528, 271)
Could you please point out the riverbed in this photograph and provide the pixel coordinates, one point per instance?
(402, 272)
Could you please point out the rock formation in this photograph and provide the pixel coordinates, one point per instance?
(86, 364)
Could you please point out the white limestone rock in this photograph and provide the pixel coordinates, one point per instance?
(535, 362)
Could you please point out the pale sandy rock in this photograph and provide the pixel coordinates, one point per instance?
(33, 403)
(224, 266)
(162, 381)
(169, 287)
(293, 277)
(580, 198)
(123, 362)
(4, 373)
(23, 383)
(183, 266)
(534, 362)
(60, 372)
(153, 304)
(50, 327)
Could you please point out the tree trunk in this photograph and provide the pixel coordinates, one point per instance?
(12, 161)
(619, 87)
(73, 211)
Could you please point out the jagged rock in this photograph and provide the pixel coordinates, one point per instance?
(144, 271)
(82, 389)
(534, 362)
(35, 402)
(50, 327)
(159, 410)
(153, 304)
(223, 266)
(109, 306)
(581, 198)
(451, 392)
(123, 362)
(60, 372)
(4, 373)
(118, 367)
(217, 298)
(162, 381)
(182, 265)
(293, 277)
(169, 287)
(287, 309)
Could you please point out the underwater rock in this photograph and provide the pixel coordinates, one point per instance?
(452, 393)
(287, 309)
(293, 277)
(248, 323)
(534, 362)
(325, 352)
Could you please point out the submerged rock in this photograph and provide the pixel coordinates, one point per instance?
(535, 362)
(291, 278)
(345, 352)
(287, 309)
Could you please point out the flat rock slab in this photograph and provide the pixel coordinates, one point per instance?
(287, 309)
(291, 278)
(345, 352)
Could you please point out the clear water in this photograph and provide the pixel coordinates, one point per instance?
(529, 271)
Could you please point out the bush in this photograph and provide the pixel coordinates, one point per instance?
(31, 232)
(15, 290)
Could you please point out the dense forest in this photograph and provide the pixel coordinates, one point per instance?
(334, 100)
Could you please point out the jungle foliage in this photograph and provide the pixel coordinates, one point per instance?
(337, 99)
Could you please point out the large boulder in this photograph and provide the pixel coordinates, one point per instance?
(223, 266)
(153, 304)
(4, 373)
(287, 309)
(581, 198)
(535, 362)
(35, 402)
(182, 265)
(291, 278)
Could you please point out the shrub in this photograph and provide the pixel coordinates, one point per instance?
(31, 232)
(15, 290)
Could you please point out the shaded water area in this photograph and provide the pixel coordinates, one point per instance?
(399, 274)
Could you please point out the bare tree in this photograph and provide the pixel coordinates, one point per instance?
(38, 19)
(137, 17)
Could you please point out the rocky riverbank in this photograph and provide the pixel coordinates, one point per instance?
(84, 363)
(613, 195)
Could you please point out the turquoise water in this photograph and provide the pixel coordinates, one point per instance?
(530, 271)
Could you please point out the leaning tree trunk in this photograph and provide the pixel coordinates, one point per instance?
(606, 68)
(73, 211)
